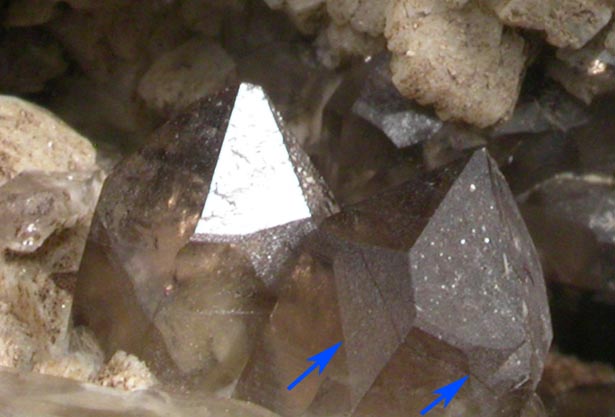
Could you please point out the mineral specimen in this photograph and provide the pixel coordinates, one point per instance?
(460, 60)
(186, 232)
(29, 394)
(429, 281)
(46, 221)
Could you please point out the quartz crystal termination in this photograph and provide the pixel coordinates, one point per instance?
(265, 194)
(432, 280)
(187, 230)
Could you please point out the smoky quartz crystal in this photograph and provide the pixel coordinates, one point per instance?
(191, 232)
(429, 281)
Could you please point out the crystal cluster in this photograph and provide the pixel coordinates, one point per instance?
(432, 280)
(191, 230)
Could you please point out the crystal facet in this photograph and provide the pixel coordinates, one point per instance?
(403, 121)
(429, 281)
(187, 230)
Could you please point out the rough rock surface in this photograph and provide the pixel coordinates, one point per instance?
(31, 138)
(366, 16)
(337, 43)
(567, 23)
(126, 372)
(461, 61)
(194, 70)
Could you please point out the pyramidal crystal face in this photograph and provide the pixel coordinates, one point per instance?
(265, 193)
(430, 281)
(186, 232)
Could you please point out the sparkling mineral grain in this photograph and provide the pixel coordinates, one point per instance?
(425, 283)
(587, 72)
(186, 232)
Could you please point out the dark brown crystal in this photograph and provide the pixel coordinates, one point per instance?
(430, 281)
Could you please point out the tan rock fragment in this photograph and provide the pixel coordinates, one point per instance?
(461, 61)
(194, 70)
(126, 372)
(31, 138)
(567, 23)
(363, 15)
(337, 43)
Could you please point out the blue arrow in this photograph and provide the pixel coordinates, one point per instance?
(321, 360)
(447, 393)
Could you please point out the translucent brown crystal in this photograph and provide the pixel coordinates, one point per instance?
(187, 233)
(432, 280)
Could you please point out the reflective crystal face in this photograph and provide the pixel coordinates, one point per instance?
(430, 281)
(186, 232)
(403, 121)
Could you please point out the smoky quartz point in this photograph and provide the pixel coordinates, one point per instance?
(429, 281)
(189, 232)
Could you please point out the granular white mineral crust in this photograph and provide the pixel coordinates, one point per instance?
(127, 372)
(462, 61)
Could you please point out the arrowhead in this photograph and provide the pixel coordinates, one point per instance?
(449, 391)
(323, 358)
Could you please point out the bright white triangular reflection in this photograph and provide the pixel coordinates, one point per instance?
(254, 185)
